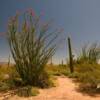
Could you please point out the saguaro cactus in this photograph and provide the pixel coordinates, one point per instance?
(70, 56)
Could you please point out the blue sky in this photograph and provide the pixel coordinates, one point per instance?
(80, 19)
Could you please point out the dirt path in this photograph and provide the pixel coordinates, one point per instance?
(66, 90)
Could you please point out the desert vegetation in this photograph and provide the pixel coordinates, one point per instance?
(87, 69)
(32, 45)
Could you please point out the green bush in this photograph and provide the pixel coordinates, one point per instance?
(9, 78)
(57, 70)
(89, 54)
(73, 75)
(3, 86)
(28, 91)
(89, 74)
(43, 81)
(7, 72)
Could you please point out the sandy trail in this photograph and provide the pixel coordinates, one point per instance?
(66, 90)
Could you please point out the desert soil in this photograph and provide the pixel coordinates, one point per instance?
(65, 90)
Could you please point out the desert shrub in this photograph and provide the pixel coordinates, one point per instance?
(87, 67)
(1, 77)
(31, 46)
(8, 75)
(89, 54)
(89, 74)
(3, 86)
(27, 91)
(10, 84)
(6, 72)
(73, 75)
(57, 70)
(17, 81)
(44, 80)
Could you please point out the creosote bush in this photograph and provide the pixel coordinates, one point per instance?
(32, 44)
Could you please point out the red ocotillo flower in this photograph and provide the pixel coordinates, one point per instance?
(31, 11)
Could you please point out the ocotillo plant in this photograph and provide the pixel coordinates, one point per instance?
(70, 56)
(32, 46)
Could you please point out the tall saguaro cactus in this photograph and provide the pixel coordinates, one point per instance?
(70, 56)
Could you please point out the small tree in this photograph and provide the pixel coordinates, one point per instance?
(32, 45)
